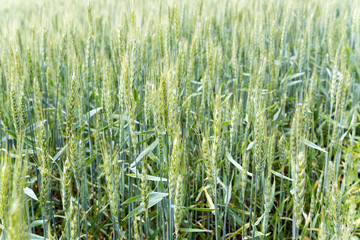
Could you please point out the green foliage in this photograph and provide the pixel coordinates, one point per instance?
(179, 119)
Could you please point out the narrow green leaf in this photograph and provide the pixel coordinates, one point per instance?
(37, 223)
(250, 146)
(141, 208)
(280, 175)
(201, 209)
(89, 160)
(37, 237)
(193, 230)
(150, 132)
(229, 157)
(223, 124)
(348, 150)
(259, 220)
(313, 145)
(28, 191)
(152, 195)
(145, 152)
(57, 156)
(149, 177)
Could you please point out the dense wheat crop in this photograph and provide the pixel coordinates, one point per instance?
(184, 119)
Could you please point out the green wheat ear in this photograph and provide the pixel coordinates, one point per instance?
(299, 187)
(4, 187)
(15, 111)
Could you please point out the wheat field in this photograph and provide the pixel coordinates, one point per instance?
(171, 119)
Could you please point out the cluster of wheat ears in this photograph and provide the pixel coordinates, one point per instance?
(179, 119)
